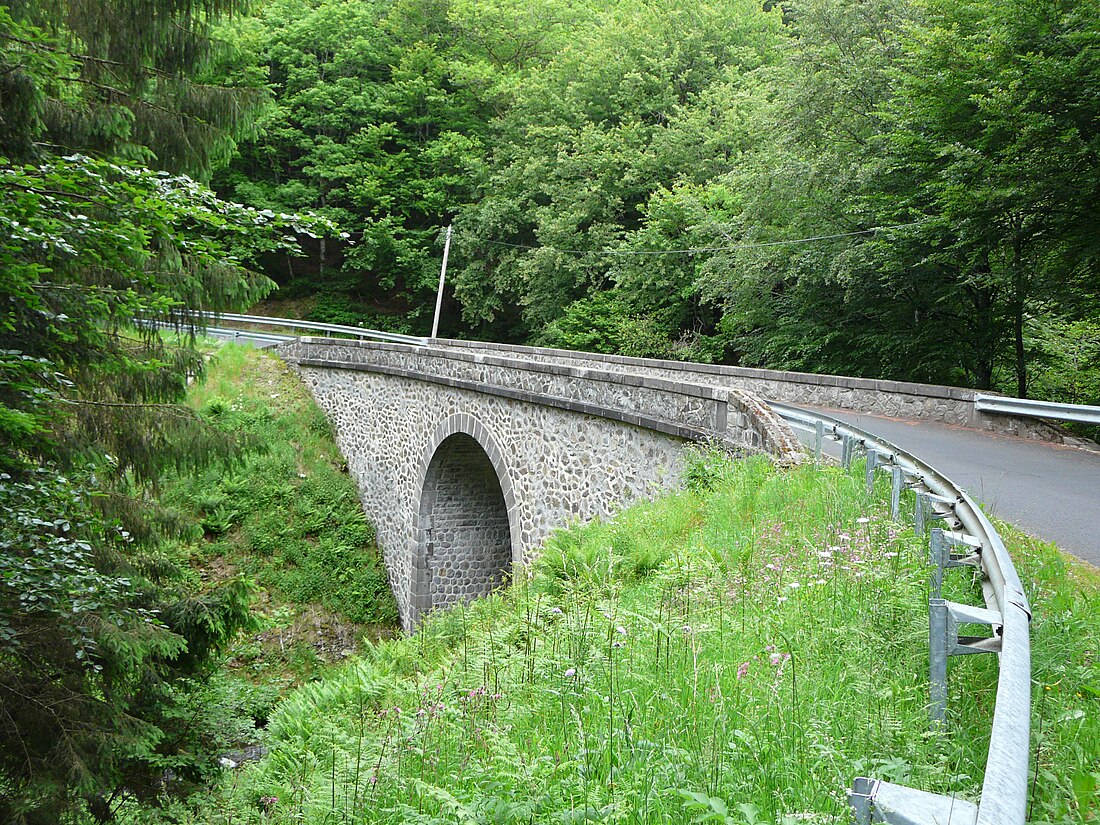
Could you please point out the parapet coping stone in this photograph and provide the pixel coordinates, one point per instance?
(636, 419)
(826, 380)
(440, 346)
(629, 379)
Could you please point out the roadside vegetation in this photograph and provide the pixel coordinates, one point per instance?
(736, 652)
(1065, 678)
(848, 186)
(286, 518)
(286, 514)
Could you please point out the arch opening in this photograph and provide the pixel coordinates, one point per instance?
(465, 543)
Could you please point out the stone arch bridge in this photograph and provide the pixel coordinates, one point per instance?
(468, 454)
(466, 459)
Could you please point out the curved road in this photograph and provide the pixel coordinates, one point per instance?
(1048, 490)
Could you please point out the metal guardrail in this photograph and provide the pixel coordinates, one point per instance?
(1004, 790)
(358, 332)
(251, 335)
(1003, 405)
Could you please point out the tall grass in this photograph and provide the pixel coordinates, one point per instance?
(286, 515)
(733, 653)
(1065, 675)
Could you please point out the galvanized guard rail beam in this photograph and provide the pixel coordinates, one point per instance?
(1004, 790)
(266, 337)
(225, 332)
(359, 332)
(1002, 405)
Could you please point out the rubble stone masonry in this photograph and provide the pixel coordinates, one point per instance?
(465, 462)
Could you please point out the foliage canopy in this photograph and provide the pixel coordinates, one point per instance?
(103, 646)
(942, 156)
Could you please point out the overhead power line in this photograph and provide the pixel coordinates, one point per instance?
(694, 250)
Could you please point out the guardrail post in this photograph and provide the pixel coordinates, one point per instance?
(920, 514)
(872, 463)
(819, 436)
(845, 451)
(936, 550)
(937, 658)
(940, 555)
(863, 791)
(897, 478)
(944, 618)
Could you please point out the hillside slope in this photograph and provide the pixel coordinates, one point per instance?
(736, 653)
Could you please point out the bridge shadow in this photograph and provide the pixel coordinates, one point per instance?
(464, 532)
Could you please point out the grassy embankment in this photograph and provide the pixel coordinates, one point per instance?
(733, 653)
(287, 517)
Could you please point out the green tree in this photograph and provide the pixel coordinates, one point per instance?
(994, 141)
(374, 126)
(103, 646)
(100, 639)
(627, 108)
(825, 304)
(117, 78)
(969, 127)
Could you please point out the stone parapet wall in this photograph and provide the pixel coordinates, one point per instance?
(690, 410)
(291, 351)
(901, 399)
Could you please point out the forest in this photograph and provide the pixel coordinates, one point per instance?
(903, 189)
(882, 188)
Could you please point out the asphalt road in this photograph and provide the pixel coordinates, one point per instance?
(1048, 490)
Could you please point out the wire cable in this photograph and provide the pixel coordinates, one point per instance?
(694, 250)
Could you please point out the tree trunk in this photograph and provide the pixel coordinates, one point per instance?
(323, 250)
(1019, 286)
(983, 297)
(1021, 356)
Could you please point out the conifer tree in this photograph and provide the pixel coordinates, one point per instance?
(117, 78)
(103, 648)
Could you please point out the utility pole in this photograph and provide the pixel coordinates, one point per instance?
(442, 278)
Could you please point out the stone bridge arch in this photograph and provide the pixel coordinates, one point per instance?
(465, 535)
(444, 443)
